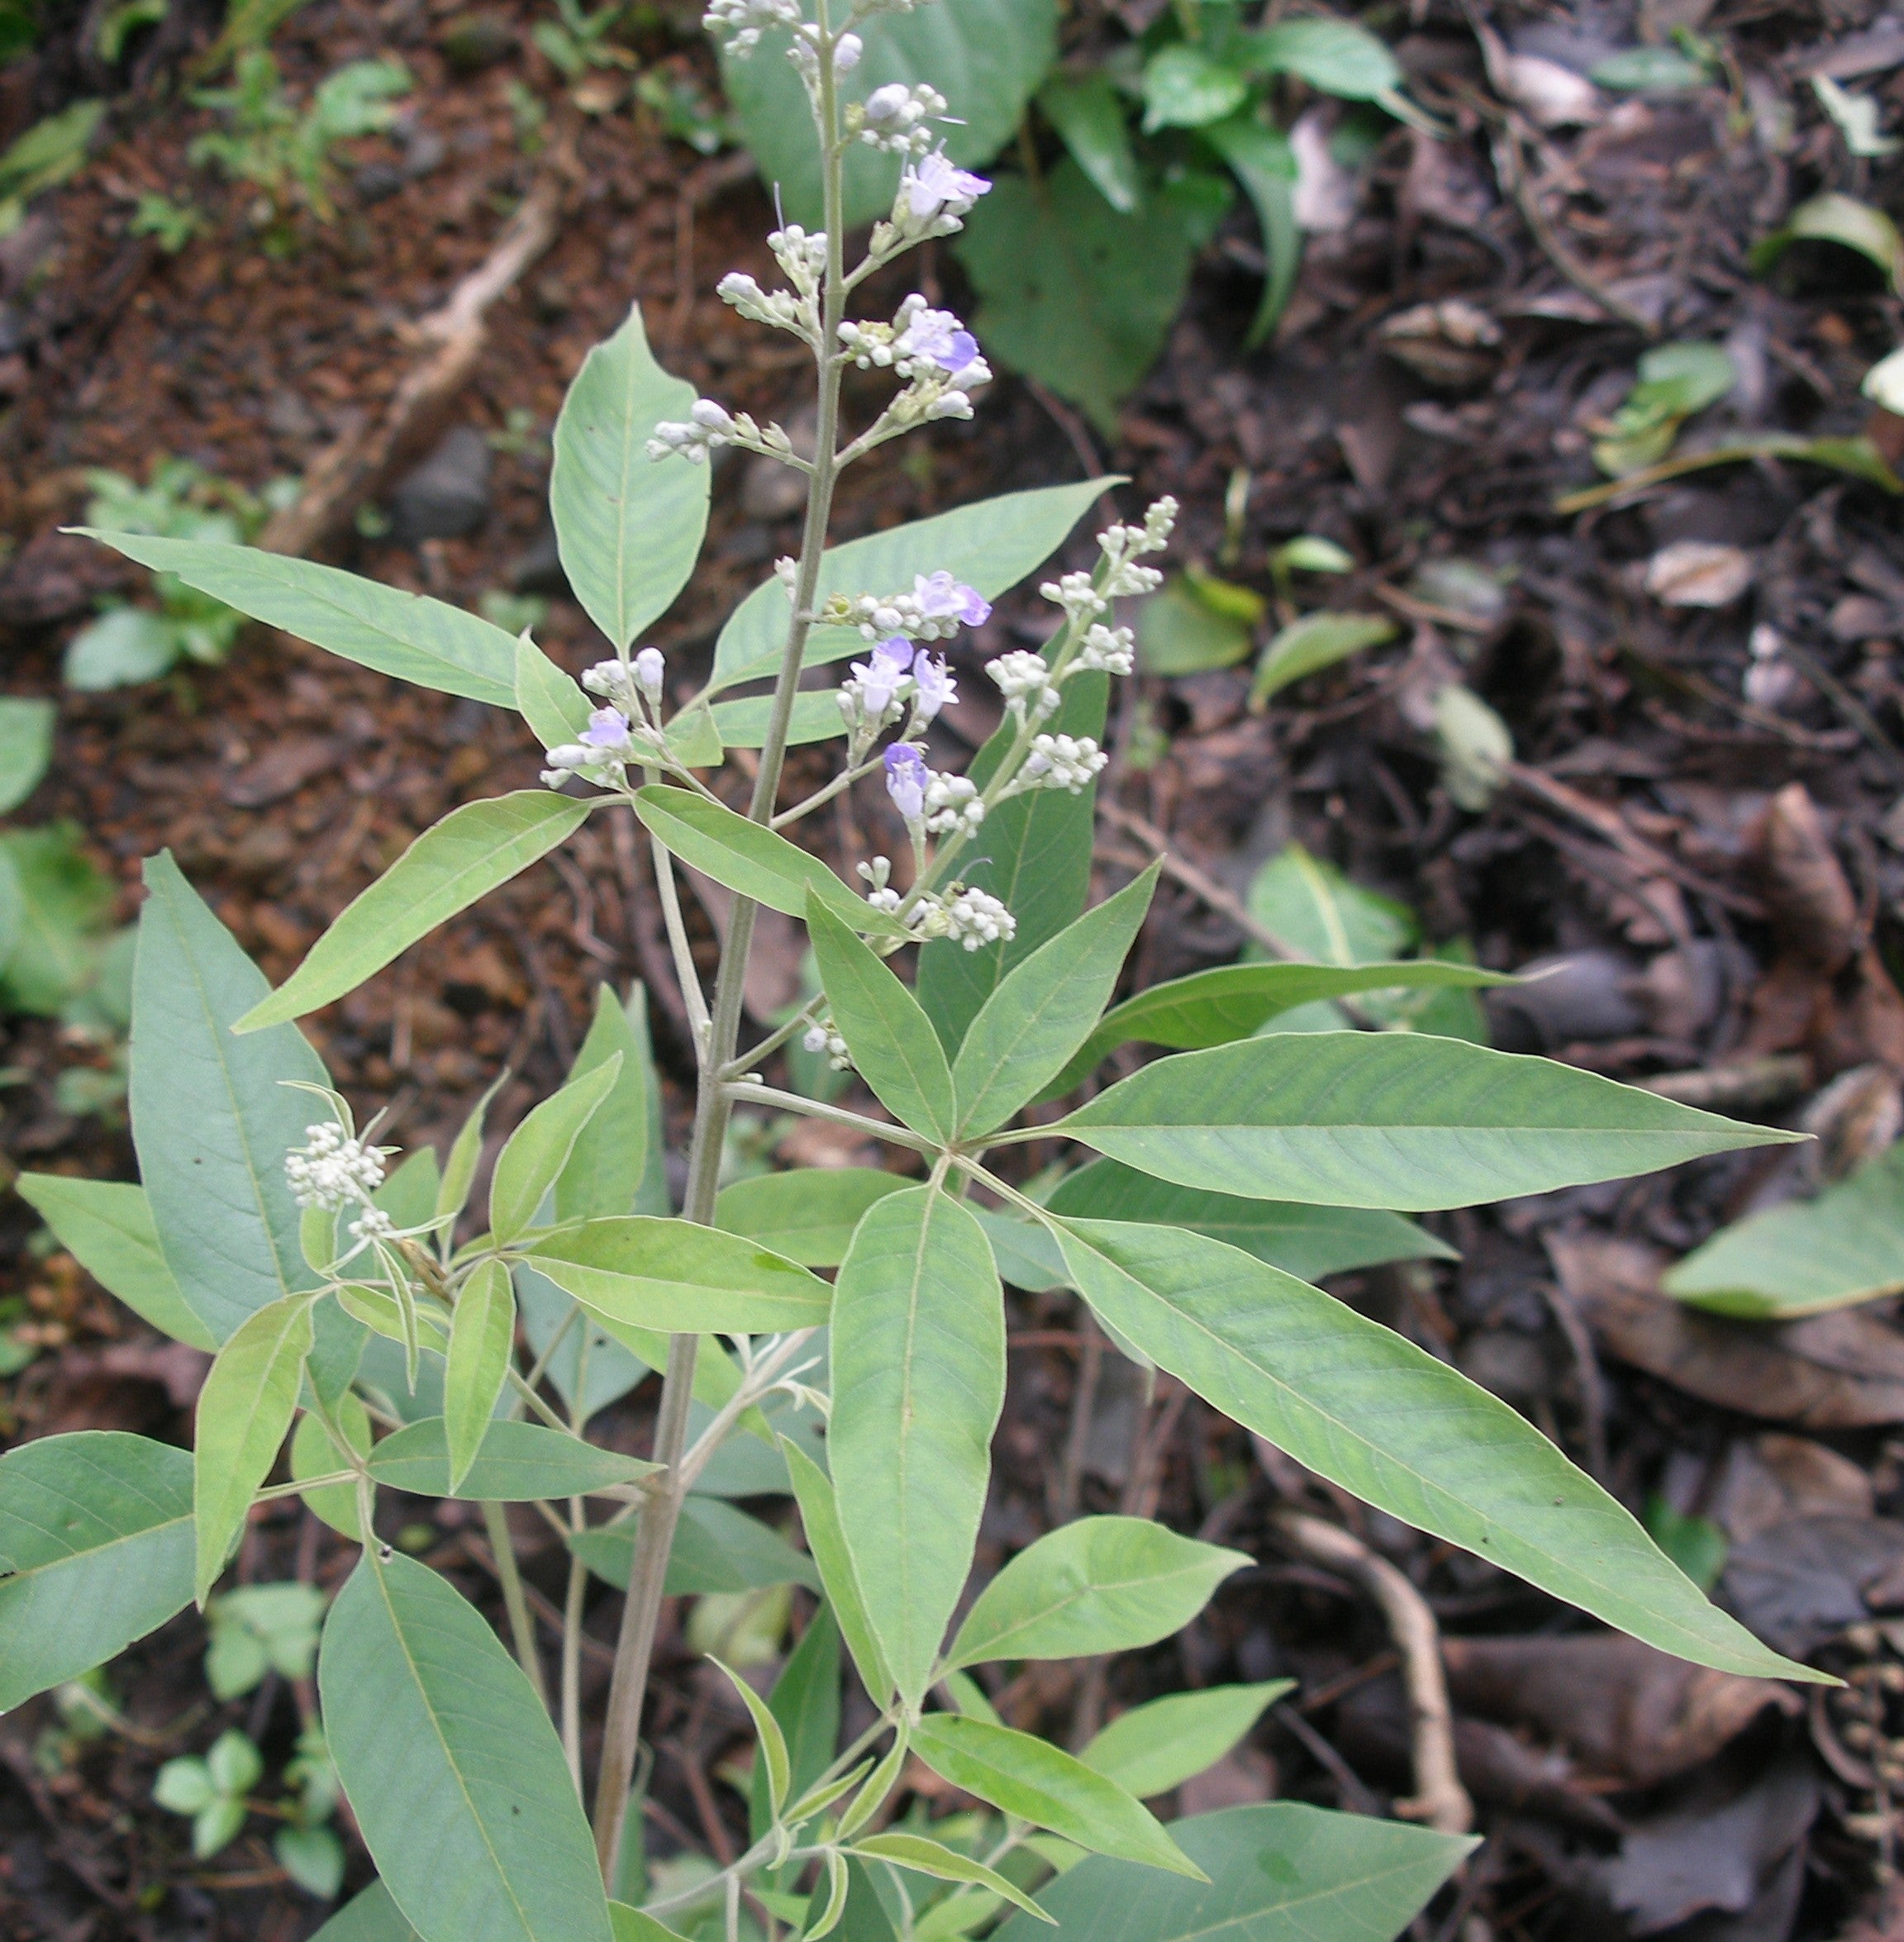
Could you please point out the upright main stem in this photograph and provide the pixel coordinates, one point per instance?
(654, 1538)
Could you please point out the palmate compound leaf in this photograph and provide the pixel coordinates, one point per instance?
(451, 1766)
(1364, 1407)
(95, 1550)
(991, 545)
(1096, 1585)
(1804, 1256)
(407, 635)
(107, 1227)
(674, 1275)
(1228, 1002)
(1035, 1781)
(985, 56)
(628, 527)
(1390, 1119)
(918, 1359)
(212, 1117)
(445, 870)
(1276, 1873)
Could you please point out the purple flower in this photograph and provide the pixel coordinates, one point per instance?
(938, 338)
(937, 184)
(936, 685)
(898, 650)
(607, 729)
(942, 598)
(906, 776)
(878, 676)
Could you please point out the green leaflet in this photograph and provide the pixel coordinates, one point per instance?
(751, 859)
(717, 1549)
(1261, 158)
(904, 1849)
(1306, 1242)
(1805, 1256)
(1044, 1007)
(25, 748)
(482, 1345)
(107, 1227)
(629, 527)
(985, 56)
(1334, 55)
(1087, 112)
(514, 1462)
(1366, 1408)
(634, 1924)
(536, 1153)
(369, 1917)
(1035, 856)
(1316, 641)
(314, 1454)
(609, 1161)
(1096, 1585)
(244, 1410)
(445, 870)
(991, 545)
(819, 1517)
(808, 1214)
(918, 1357)
(95, 1550)
(743, 724)
(451, 1766)
(465, 1149)
(1033, 1780)
(892, 1040)
(1186, 88)
(676, 1277)
(407, 634)
(1074, 294)
(547, 698)
(1156, 1747)
(1218, 1007)
(1390, 1119)
(806, 1703)
(1276, 1872)
(212, 1117)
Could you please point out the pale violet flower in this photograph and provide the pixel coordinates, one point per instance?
(936, 187)
(941, 598)
(907, 779)
(936, 337)
(877, 681)
(934, 688)
(329, 1170)
(608, 732)
(846, 53)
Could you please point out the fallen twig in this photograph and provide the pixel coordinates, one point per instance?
(1440, 1799)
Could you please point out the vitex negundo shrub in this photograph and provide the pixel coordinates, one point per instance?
(337, 1296)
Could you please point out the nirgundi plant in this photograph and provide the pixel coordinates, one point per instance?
(407, 1339)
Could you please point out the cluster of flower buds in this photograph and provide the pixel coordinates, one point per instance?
(931, 802)
(781, 309)
(627, 728)
(708, 424)
(893, 119)
(1024, 678)
(331, 1170)
(973, 918)
(932, 350)
(1059, 762)
(1122, 544)
(808, 39)
(1107, 650)
(935, 609)
(880, 687)
(738, 24)
(823, 1038)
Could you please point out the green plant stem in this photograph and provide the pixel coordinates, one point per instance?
(509, 1576)
(838, 787)
(818, 1109)
(641, 1609)
(572, 1606)
(758, 1381)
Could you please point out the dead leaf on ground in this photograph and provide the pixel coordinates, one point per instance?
(1729, 1850)
(1814, 913)
(1699, 573)
(1809, 1579)
(1770, 1479)
(1653, 1717)
(1841, 1371)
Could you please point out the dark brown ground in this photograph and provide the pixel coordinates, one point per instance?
(1721, 874)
